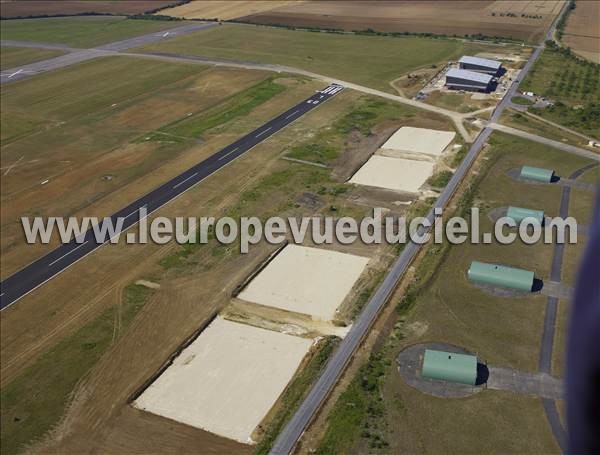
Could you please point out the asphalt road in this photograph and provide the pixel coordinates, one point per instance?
(82, 55)
(47, 267)
(287, 439)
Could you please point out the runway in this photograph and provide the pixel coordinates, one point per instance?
(75, 56)
(58, 260)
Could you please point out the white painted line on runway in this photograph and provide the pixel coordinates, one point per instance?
(293, 113)
(64, 255)
(227, 154)
(134, 212)
(263, 132)
(15, 73)
(181, 183)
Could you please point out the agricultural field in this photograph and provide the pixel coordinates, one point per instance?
(573, 84)
(521, 20)
(440, 305)
(81, 32)
(349, 57)
(581, 32)
(11, 57)
(72, 157)
(222, 9)
(17, 8)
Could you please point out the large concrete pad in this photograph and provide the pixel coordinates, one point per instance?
(419, 140)
(393, 173)
(226, 381)
(306, 280)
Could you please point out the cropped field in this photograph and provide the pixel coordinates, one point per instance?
(524, 20)
(383, 412)
(222, 10)
(80, 31)
(90, 144)
(370, 60)
(15, 8)
(11, 57)
(582, 33)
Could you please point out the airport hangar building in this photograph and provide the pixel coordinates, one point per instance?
(460, 79)
(480, 65)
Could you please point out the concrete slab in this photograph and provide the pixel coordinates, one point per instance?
(226, 381)
(419, 140)
(393, 173)
(304, 280)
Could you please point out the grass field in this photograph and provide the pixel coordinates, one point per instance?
(74, 7)
(521, 100)
(370, 60)
(34, 402)
(383, 413)
(535, 126)
(90, 144)
(80, 31)
(11, 57)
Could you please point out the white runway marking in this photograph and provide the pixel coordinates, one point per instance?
(134, 212)
(15, 73)
(227, 154)
(9, 168)
(293, 113)
(181, 183)
(263, 132)
(64, 255)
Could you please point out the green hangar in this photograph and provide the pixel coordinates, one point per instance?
(537, 173)
(518, 214)
(449, 366)
(499, 275)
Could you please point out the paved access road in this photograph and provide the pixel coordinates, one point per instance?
(82, 55)
(287, 439)
(47, 267)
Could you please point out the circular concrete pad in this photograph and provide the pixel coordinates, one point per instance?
(409, 363)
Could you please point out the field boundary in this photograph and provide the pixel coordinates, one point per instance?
(167, 363)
